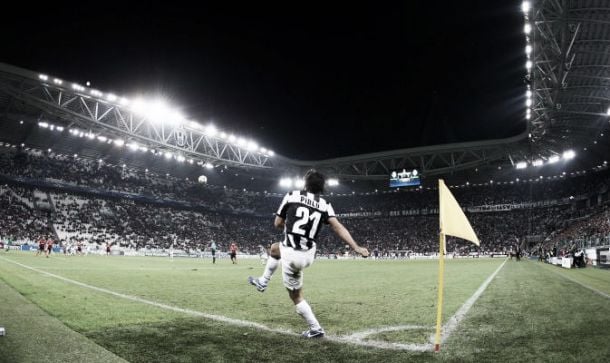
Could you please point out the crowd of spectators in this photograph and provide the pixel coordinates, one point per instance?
(230, 215)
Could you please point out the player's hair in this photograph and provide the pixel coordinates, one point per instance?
(314, 181)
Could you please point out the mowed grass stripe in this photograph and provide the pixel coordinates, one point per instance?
(529, 314)
(594, 279)
(34, 336)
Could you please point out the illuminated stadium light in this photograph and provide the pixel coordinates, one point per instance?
(77, 87)
(119, 142)
(194, 125)
(538, 162)
(180, 158)
(608, 112)
(232, 138)
(528, 64)
(263, 150)
(43, 124)
(133, 146)
(138, 106)
(521, 165)
(525, 6)
(75, 155)
(143, 148)
(124, 101)
(168, 155)
(241, 142)
(208, 165)
(528, 93)
(91, 136)
(271, 153)
(553, 159)
(333, 182)
(190, 161)
(60, 128)
(252, 146)
(57, 81)
(223, 135)
(111, 97)
(527, 28)
(299, 183)
(528, 102)
(96, 93)
(44, 77)
(528, 116)
(569, 154)
(211, 130)
(102, 138)
(286, 182)
(528, 49)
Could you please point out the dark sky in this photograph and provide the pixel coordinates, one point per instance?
(307, 81)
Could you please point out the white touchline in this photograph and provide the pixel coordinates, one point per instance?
(583, 285)
(224, 319)
(453, 322)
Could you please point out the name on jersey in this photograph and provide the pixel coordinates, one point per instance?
(310, 202)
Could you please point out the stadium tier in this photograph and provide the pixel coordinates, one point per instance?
(79, 200)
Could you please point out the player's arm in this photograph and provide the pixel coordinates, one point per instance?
(344, 234)
(278, 222)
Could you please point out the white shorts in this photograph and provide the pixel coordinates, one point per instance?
(293, 263)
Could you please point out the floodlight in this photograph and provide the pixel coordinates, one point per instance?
(180, 158)
(211, 130)
(232, 138)
(133, 146)
(553, 159)
(223, 135)
(111, 97)
(241, 141)
(251, 146)
(102, 138)
(527, 28)
(60, 128)
(608, 112)
(528, 49)
(208, 165)
(332, 182)
(528, 102)
(538, 162)
(58, 81)
(528, 93)
(43, 124)
(96, 93)
(168, 155)
(119, 142)
(271, 153)
(143, 148)
(569, 154)
(528, 64)
(44, 77)
(124, 101)
(263, 150)
(139, 106)
(194, 125)
(525, 6)
(521, 165)
(286, 182)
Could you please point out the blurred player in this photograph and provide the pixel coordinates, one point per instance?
(213, 248)
(49, 248)
(108, 245)
(300, 215)
(262, 254)
(233, 250)
(41, 245)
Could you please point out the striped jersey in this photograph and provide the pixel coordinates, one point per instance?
(303, 213)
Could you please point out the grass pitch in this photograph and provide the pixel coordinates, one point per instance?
(529, 312)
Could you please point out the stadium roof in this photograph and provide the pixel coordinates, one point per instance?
(570, 104)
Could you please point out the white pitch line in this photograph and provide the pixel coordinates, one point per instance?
(453, 322)
(583, 285)
(227, 320)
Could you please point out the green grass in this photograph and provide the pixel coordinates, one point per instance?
(528, 312)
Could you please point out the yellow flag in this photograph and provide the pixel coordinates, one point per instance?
(452, 219)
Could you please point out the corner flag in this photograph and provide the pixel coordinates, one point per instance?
(453, 222)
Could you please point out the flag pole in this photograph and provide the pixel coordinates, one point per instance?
(441, 273)
(439, 304)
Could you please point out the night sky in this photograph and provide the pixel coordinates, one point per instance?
(307, 81)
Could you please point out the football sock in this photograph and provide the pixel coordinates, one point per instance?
(270, 267)
(305, 311)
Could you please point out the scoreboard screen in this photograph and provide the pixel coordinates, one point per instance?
(404, 178)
